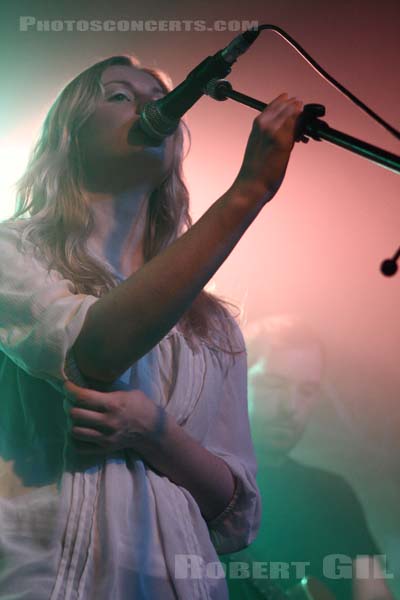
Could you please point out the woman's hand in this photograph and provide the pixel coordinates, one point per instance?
(268, 148)
(103, 422)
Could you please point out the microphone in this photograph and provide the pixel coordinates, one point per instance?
(160, 118)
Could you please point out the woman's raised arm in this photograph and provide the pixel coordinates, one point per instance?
(129, 320)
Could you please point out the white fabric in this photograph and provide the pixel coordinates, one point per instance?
(107, 528)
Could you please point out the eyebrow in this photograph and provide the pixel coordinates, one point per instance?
(129, 84)
(272, 378)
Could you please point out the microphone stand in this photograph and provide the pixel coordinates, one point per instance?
(311, 126)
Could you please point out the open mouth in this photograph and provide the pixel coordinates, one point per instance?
(137, 137)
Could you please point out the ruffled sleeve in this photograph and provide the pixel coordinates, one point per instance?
(229, 438)
(41, 314)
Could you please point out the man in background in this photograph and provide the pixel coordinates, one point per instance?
(313, 524)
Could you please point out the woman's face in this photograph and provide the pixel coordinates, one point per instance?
(114, 157)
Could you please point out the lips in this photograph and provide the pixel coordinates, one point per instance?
(281, 430)
(137, 137)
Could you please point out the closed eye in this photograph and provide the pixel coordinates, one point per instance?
(120, 97)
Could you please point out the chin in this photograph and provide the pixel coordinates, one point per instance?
(280, 450)
(282, 443)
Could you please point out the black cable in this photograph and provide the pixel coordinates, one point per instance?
(330, 79)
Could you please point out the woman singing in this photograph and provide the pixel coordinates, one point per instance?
(126, 460)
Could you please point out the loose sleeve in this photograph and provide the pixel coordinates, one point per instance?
(229, 438)
(41, 315)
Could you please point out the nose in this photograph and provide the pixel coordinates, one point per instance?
(288, 402)
(140, 101)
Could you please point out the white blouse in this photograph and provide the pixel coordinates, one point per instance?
(108, 528)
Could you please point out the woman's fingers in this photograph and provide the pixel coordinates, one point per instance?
(111, 420)
(268, 148)
(84, 397)
(278, 104)
(289, 114)
(92, 418)
(87, 435)
(278, 100)
(279, 111)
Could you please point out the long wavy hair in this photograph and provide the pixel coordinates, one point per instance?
(60, 220)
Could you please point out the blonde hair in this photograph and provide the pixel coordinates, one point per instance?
(60, 220)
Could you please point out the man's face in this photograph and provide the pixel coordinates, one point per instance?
(283, 390)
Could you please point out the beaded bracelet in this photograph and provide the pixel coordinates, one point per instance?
(227, 511)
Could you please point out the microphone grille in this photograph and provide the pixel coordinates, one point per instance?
(155, 123)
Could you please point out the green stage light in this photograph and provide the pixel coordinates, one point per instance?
(13, 160)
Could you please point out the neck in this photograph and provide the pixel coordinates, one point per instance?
(119, 228)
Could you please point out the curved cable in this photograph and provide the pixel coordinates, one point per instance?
(330, 79)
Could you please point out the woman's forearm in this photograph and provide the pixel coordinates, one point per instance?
(132, 318)
(185, 462)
